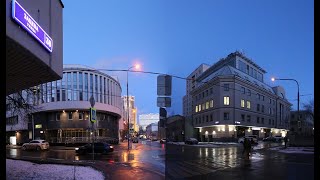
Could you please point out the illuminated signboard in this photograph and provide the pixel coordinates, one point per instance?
(38, 126)
(22, 17)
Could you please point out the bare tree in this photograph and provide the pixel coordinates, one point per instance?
(23, 103)
(309, 108)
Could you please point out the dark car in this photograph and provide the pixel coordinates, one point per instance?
(269, 139)
(98, 148)
(135, 140)
(191, 141)
(110, 140)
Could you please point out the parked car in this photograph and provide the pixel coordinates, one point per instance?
(250, 138)
(135, 140)
(162, 141)
(191, 141)
(154, 139)
(110, 140)
(278, 138)
(98, 148)
(36, 145)
(270, 139)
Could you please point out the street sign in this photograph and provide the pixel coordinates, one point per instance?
(22, 17)
(164, 101)
(92, 101)
(164, 85)
(93, 115)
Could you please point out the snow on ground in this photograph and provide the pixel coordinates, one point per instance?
(298, 150)
(16, 169)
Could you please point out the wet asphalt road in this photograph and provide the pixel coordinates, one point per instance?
(190, 162)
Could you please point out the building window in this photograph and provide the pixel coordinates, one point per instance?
(242, 117)
(203, 106)
(262, 97)
(258, 96)
(207, 105)
(58, 116)
(270, 111)
(262, 120)
(273, 122)
(12, 120)
(249, 92)
(199, 107)
(258, 120)
(269, 121)
(258, 107)
(226, 116)
(248, 118)
(211, 118)
(270, 101)
(248, 104)
(70, 116)
(207, 118)
(226, 87)
(226, 100)
(262, 108)
(211, 91)
(80, 116)
(207, 92)
(243, 90)
(196, 108)
(211, 103)
(242, 103)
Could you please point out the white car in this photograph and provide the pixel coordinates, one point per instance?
(250, 137)
(36, 145)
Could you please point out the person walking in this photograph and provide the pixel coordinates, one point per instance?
(246, 148)
(285, 141)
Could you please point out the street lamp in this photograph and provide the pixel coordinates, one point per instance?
(137, 66)
(273, 79)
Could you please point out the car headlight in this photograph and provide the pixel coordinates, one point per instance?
(111, 146)
(76, 149)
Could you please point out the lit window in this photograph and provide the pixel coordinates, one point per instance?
(207, 105)
(203, 106)
(226, 100)
(199, 107)
(196, 108)
(248, 105)
(249, 92)
(242, 103)
(211, 103)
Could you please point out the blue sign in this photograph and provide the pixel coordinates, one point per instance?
(22, 17)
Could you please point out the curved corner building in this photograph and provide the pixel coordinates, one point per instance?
(63, 112)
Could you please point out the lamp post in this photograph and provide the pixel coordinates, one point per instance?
(273, 79)
(137, 67)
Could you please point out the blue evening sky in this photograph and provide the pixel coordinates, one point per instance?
(176, 36)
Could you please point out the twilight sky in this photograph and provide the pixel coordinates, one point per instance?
(176, 36)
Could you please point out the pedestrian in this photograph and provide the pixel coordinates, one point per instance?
(246, 147)
(285, 141)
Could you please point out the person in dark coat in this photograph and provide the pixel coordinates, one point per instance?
(285, 141)
(246, 147)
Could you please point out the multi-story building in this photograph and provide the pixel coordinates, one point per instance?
(191, 85)
(132, 112)
(303, 125)
(62, 108)
(34, 43)
(146, 119)
(230, 100)
(152, 131)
